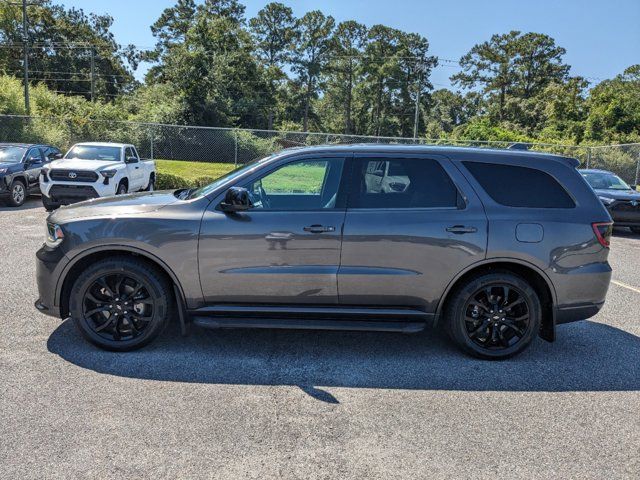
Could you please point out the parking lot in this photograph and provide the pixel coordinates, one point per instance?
(280, 404)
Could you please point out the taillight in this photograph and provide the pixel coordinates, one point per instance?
(603, 232)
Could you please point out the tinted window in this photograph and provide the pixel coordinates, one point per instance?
(34, 154)
(299, 185)
(401, 183)
(520, 186)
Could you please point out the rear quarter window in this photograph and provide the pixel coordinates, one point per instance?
(515, 186)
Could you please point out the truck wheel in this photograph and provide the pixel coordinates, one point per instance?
(152, 185)
(493, 316)
(48, 205)
(122, 188)
(121, 303)
(18, 193)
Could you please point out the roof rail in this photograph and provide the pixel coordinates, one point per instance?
(519, 146)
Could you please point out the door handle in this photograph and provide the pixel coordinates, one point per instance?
(460, 229)
(319, 229)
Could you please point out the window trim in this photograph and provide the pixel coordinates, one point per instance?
(460, 196)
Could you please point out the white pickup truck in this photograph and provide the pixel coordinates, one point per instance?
(92, 170)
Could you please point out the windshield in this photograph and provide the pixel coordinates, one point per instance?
(11, 154)
(205, 190)
(605, 181)
(94, 152)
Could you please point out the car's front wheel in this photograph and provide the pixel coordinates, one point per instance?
(121, 303)
(49, 205)
(17, 193)
(493, 316)
(122, 188)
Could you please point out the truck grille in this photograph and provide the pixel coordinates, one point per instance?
(73, 175)
(72, 192)
(627, 206)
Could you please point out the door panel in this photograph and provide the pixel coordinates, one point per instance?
(281, 251)
(406, 255)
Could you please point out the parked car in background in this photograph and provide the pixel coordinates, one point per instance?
(20, 166)
(496, 246)
(621, 199)
(92, 170)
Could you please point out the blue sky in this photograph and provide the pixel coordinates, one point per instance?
(602, 37)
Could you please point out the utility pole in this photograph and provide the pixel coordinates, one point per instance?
(93, 73)
(25, 41)
(420, 67)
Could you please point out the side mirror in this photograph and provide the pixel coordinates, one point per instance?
(634, 187)
(131, 160)
(236, 200)
(33, 161)
(55, 156)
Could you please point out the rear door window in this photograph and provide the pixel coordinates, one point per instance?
(401, 183)
(515, 186)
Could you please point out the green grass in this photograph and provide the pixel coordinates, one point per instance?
(191, 171)
(298, 178)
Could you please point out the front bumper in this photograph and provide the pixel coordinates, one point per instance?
(625, 214)
(49, 265)
(65, 193)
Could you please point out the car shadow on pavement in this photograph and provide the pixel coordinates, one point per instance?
(30, 203)
(588, 356)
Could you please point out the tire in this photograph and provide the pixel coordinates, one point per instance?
(48, 205)
(480, 325)
(122, 188)
(17, 193)
(152, 185)
(134, 300)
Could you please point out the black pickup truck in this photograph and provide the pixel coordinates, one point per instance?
(20, 166)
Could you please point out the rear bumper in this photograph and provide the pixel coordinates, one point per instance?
(574, 313)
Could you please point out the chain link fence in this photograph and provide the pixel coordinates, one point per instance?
(238, 146)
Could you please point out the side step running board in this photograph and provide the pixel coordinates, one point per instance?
(308, 324)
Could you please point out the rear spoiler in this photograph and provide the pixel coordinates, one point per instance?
(526, 146)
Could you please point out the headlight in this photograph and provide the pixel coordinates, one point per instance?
(3, 170)
(45, 174)
(606, 200)
(55, 235)
(108, 173)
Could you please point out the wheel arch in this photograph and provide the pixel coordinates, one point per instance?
(534, 275)
(81, 261)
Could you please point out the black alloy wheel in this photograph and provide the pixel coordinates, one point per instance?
(118, 307)
(121, 303)
(497, 316)
(493, 316)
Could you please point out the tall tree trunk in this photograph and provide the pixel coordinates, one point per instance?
(305, 121)
(348, 124)
(502, 99)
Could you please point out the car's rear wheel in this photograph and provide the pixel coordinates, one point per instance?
(121, 304)
(17, 193)
(493, 316)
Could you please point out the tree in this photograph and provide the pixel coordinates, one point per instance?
(313, 43)
(343, 70)
(614, 108)
(273, 30)
(514, 65)
(62, 43)
(448, 110)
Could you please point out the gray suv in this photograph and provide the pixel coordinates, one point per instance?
(495, 246)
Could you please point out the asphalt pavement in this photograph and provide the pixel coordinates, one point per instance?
(304, 404)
